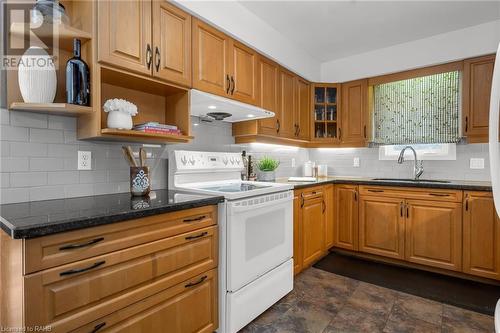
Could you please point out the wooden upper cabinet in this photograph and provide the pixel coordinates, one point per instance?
(477, 78)
(481, 236)
(345, 231)
(353, 131)
(172, 40)
(211, 59)
(303, 103)
(268, 94)
(434, 233)
(313, 229)
(125, 36)
(381, 226)
(244, 73)
(286, 126)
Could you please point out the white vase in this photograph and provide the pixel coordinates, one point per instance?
(37, 76)
(119, 120)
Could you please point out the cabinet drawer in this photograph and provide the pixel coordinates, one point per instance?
(412, 193)
(188, 307)
(69, 296)
(312, 192)
(59, 249)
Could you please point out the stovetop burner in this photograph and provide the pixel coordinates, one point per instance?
(234, 187)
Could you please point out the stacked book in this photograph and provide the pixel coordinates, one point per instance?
(155, 127)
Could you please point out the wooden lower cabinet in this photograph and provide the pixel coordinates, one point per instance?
(434, 233)
(329, 217)
(190, 306)
(313, 229)
(297, 233)
(481, 236)
(381, 226)
(345, 229)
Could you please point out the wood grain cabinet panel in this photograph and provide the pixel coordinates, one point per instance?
(313, 229)
(125, 36)
(190, 307)
(481, 236)
(244, 73)
(434, 234)
(477, 78)
(211, 59)
(346, 217)
(268, 95)
(353, 131)
(83, 291)
(329, 216)
(381, 226)
(302, 114)
(172, 40)
(287, 103)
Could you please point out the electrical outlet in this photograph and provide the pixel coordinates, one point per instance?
(293, 162)
(477, 163)
(355, 162)
(84, 160)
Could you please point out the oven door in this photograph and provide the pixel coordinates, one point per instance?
(260, 236)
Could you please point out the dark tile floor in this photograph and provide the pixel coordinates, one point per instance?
(323, 302)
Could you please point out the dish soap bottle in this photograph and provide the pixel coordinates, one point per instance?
(77, 78)
(244, 171)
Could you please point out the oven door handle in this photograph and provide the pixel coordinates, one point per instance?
(236, 207)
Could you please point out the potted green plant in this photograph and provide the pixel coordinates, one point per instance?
(266, 167)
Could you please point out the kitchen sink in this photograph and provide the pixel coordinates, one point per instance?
(413, 180)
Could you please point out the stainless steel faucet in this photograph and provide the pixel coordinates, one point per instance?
(418, 168)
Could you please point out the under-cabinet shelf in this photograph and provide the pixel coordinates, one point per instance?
(145, 135)
(62, 109)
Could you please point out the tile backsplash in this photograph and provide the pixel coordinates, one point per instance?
(39, 159)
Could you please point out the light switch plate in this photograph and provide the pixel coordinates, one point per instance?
(355, 162)
(84, 160)
(477, 163)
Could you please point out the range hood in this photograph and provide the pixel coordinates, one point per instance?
(213, 107)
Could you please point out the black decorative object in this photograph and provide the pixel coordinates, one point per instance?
(77, 78)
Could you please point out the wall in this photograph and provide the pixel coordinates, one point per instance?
(245, 26)
(456, 45)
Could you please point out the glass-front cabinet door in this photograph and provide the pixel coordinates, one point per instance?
(325, 108)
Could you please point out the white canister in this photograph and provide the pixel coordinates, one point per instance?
(308, 169)
(322, 170)
(119, 120)
(37, 76)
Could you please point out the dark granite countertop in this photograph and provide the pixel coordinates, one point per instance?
(40, 218)
(450, 184)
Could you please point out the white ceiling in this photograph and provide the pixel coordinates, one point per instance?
(330, 30)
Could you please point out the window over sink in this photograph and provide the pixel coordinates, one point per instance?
(436, 151)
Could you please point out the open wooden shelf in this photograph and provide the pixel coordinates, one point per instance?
(62, 109)
(46, 32)
(139, 134)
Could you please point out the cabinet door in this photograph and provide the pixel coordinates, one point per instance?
(211, 60)
(478, 74)
(125, 34)
(313, 229)
(353, 129)
(381, 226)
(481, 236)
(297, 233)
(286, 104)
(190, 306)
(268, 95)
(346, 217)
(302, 115)
(329, 217)
(172, 41)
(244, 73)
(434, 233)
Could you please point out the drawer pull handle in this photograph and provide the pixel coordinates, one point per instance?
(81, 270)
(199, 218)
(376, 191)
(204, 233)
(192, 284)
(98, 327)
(439, 194)
(77, 246)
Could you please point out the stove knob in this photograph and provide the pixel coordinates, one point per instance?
(192, 160)
(224, 160)
(184, 160)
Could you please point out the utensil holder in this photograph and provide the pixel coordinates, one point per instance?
(140, 184)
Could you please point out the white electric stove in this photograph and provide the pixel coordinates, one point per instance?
(255, 234)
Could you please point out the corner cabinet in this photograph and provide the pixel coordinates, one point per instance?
(146, 37)
(481, 236)
(353, 130)
(223, 66)
(325, 111)
(477, 78)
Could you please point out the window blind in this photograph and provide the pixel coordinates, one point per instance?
(418, 110)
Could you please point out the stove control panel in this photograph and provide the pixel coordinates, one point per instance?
(198, 160)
